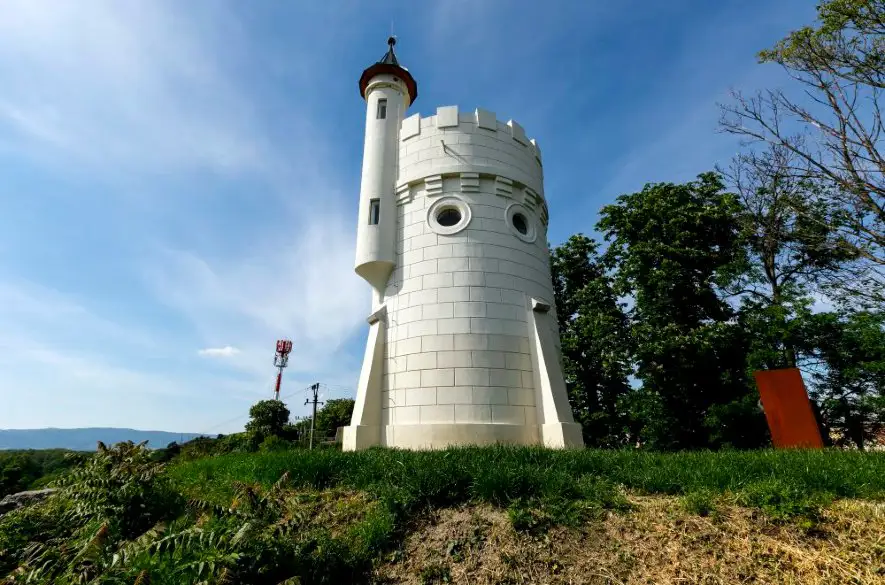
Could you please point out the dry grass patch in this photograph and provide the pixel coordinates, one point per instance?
(336, 510)
(659, 542)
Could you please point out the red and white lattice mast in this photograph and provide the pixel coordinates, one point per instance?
(280, 361)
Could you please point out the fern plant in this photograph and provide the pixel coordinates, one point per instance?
(71, 537)
(116, 520)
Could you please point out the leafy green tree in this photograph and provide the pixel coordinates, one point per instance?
(267, 417)
(595, 338)
(775, 332)
(791, 249)
(850, 384)
(792, 236)
(833, 127)
(674, 247)
(335, 413)
(30, 469)
(17, 471)
(170, 452)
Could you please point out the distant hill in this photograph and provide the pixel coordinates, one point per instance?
(85, 439)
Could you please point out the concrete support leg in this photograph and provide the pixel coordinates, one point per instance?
(365, 424)
(557, 425)
(562, 435)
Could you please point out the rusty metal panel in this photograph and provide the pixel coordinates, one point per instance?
(787, 408)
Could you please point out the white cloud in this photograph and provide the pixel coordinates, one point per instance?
(143, 92)
(35, 314)
(123, 84)
(225, 351)
(61, 364)
(302, 287)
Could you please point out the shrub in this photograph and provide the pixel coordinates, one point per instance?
(274, 443)
(116, 496)
(268, 417)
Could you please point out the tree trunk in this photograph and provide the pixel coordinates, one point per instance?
(789, 349)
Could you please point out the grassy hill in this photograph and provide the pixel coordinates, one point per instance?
(520, 515)
(478, 515)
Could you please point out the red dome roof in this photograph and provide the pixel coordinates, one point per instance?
(389, 64)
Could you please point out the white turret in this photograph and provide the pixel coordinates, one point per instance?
(389, 90)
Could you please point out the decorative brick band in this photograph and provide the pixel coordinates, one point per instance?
(470, 183)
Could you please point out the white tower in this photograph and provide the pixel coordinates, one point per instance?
(463, 343)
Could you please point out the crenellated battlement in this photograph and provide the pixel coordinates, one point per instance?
(453, 143)
(481, 121)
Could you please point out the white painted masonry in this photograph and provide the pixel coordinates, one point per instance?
(375, 242)
(463, 345)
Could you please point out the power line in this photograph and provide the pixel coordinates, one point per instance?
(236, 418)
(305, 389)
(338, 389)
(206, 432)
(315, 400)
(242, 416)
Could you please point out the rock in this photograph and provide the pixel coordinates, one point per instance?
(13, 501)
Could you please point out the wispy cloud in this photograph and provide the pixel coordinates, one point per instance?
(227, 246)
(302, 286)
(126, 85)
(62, 364)
(225, 351)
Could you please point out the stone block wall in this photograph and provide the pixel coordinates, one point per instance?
(457, 348)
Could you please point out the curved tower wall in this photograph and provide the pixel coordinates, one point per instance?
(466, 341)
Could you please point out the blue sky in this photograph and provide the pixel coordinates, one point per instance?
(178, 180)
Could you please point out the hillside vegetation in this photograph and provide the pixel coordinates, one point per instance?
(28, 469)
(330, 517)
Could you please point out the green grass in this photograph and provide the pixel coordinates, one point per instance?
(329, 517)
(502, 476)
(542, 488)
(701, 502)
(539, 488)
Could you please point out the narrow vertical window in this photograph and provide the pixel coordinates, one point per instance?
(374, 211)
(382, 109)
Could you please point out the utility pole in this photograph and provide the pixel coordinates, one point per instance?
(315, 401)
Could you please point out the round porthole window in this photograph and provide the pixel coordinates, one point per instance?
(448, 216)
(520, 223)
